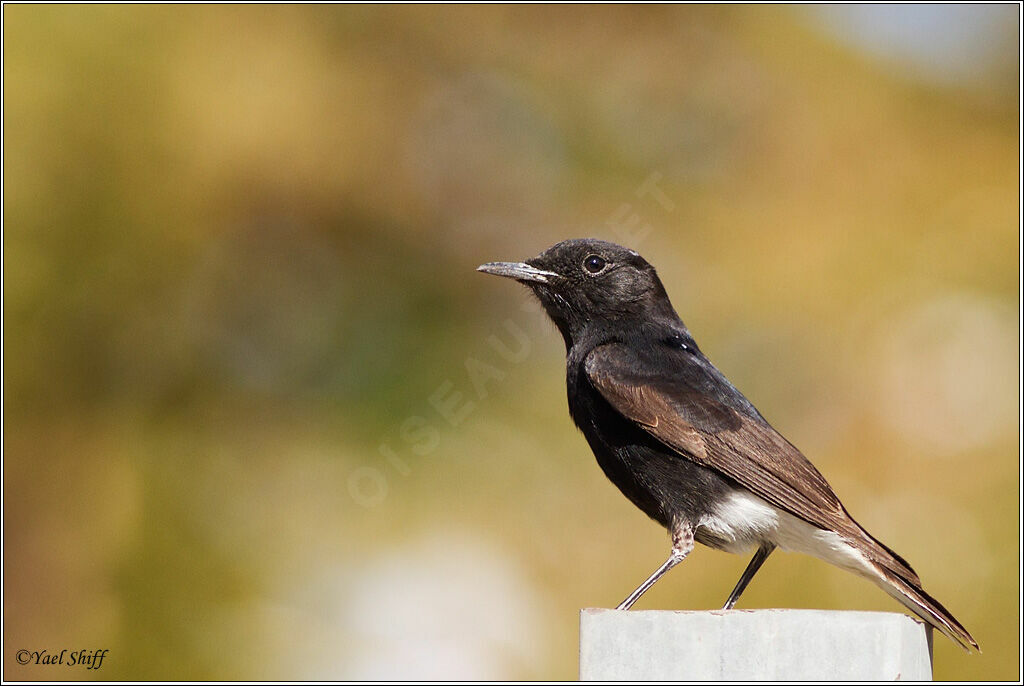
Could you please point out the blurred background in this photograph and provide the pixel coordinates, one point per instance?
(263, 420)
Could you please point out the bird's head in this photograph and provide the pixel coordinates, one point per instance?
(587, 282)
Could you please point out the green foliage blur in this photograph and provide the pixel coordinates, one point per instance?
(263, 420)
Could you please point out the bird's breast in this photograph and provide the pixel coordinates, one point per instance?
(667, 486)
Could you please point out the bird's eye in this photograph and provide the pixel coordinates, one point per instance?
(594, 263)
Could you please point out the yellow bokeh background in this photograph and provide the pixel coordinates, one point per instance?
(263, 420)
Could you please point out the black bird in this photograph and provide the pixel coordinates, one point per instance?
(681, 442)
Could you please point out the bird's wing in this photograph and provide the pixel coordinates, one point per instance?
(680, 409)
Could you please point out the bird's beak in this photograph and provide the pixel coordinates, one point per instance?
(520, 271)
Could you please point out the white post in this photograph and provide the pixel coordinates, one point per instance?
(740, 645)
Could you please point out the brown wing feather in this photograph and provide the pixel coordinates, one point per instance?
(743, 447)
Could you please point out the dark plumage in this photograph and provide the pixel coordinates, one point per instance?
(680, 441)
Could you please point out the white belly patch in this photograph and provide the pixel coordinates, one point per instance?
(744, 521)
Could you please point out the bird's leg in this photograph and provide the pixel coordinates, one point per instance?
(682, 544)
(755, 564)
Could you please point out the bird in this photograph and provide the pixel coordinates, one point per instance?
(681, 442)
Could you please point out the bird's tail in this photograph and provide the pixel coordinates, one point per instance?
(897, 578)
(926, 607)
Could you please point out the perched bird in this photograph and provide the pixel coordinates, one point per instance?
(681, 442)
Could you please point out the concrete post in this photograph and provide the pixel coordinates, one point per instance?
(740, 645)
